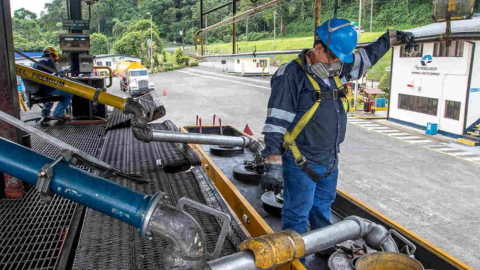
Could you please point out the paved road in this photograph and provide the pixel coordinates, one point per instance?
(434, 194)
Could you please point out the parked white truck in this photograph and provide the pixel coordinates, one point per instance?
(134, 78)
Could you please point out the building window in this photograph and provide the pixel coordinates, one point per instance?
(99, 63)
(238, 61)
(413, 53)
(452, 109)
(108, 63)
(418, 104)
(263, 63)
(440, 49)
(254, 60)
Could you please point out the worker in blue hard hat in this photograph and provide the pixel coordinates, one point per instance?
(306, 120)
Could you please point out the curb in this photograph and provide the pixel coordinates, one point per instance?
(368, 117)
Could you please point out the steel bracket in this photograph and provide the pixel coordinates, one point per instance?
(46, 173)
(225, 225)
(95, 97)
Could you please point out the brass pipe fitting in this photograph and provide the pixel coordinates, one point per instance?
(275, 249)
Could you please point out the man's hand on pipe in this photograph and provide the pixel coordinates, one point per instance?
(272, 179)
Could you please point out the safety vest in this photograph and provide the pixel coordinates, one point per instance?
(289, 138)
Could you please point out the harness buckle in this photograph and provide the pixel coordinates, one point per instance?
(335, 93)
(299, 162)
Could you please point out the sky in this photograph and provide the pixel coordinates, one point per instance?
(31, 5)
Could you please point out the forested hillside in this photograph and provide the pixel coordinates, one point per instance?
(123, 26)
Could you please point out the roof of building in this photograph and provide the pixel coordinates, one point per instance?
(113, 55)
(29, 54)
(460, 26)
(373, 91)
(252, 57)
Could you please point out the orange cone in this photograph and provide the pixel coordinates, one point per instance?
(164, 92)
(248, 131)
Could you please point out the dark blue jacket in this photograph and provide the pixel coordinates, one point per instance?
(292, 96)
(45, 60)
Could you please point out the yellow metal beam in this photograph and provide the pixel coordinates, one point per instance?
(251, 220)
(66, 85)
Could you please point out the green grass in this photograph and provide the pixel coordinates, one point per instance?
(300, 43)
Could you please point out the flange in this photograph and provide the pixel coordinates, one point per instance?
(272, 204)
(224, 151)
(244, 175)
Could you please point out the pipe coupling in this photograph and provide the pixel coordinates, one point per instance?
(275, 249)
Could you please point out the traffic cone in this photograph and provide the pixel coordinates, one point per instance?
(164, 92)
(247, 130)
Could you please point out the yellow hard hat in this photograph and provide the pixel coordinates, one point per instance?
(52, 51)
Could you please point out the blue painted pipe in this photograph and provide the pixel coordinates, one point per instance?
(74, 184)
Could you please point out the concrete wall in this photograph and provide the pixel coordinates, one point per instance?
(473, 114)
(444, 78)
(249, 65)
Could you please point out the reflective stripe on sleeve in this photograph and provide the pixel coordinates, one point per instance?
(268, 128)
(280, 114)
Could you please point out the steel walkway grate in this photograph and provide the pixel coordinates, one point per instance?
(106, 243)
(32, 234)
(134, 156)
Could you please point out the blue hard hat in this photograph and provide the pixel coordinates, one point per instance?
(343, 38)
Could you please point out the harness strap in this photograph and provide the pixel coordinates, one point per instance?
(289, 138)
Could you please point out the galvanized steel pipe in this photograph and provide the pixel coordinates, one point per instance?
(197, 138)
(350, 228)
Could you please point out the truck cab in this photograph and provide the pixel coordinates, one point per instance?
(138, 82)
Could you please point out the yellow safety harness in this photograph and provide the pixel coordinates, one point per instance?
(289, 138)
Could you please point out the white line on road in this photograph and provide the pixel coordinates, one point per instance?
(388, 131)
(464, 154)
(381, 128)
(220, 79)
(473, 158)
(408, 137)
(420, 141)
(447, 149)
(226, 76)
(397, 134)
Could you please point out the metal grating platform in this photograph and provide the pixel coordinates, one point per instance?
(34, 235)
(106, 243)
(134, 156)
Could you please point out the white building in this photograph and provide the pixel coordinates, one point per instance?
(249, 65)
(112, 60)
(24, 61)
(438, 84)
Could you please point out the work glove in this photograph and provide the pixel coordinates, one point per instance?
(403, 37)
(272, 178)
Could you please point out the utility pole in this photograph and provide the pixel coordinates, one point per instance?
(371, 16)
(206, 33)
(274, 45)
(150, 44)
(246, 37)
(360, 15)
(201, 25)
(318, 11)
(183, 41)
(234, 34)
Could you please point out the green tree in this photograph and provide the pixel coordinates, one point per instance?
(131, 43)
(384, 83)
(142, 25)
(98, 44)
(23, 14)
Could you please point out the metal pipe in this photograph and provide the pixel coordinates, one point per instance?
(241, 260)
(350, 228)
(58, 143)
(217, 8)
(67, 85)
(110, 74)
(187, 247)
(74, 184)
(243, 14)
(322, 239)
(180, 137)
